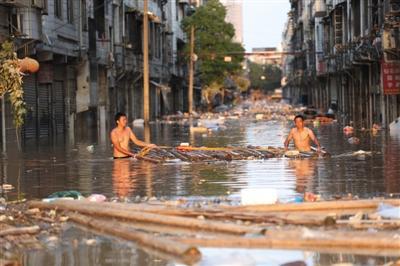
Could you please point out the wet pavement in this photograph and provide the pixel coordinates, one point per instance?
(43, 168)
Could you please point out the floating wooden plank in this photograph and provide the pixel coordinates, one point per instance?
(305, 240)
(316, 206)
(96, 209)
(186, 252)
(20, 230)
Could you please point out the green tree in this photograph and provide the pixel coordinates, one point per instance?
(214, 43)
(266, 77)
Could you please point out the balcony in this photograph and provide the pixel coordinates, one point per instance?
(15, 3)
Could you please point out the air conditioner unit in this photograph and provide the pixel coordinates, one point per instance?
(38, 3)
(27, 24)
(319, 8)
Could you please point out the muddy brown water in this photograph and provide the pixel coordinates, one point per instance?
(53, 165)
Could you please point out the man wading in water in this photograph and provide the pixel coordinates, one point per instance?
(120, 137)
(301, 136)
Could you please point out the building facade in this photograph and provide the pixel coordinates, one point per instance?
(234, 16)
(345, 54)
(91, 62)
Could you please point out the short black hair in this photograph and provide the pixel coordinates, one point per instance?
(298, 116)
(119, 115)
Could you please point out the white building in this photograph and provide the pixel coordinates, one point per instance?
(235, 16)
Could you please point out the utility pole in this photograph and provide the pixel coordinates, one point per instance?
(146, 102)
(191, 70)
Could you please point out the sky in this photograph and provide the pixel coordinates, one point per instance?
(263, 22)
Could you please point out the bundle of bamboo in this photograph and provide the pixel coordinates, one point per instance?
(197, 154)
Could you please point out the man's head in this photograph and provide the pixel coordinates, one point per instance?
(299, 121)
(120, 119)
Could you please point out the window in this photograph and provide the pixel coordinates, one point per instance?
(70, 11)
(58, 8)
(356, 18)
(134, 32)
(83, 16)
(99, 16)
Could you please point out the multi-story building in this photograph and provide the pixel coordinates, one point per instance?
(345, 54)
(234, 15)
(90, 54)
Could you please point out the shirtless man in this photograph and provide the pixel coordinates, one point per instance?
(301, 136)
(120, 137)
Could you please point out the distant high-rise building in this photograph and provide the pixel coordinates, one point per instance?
(235, 16)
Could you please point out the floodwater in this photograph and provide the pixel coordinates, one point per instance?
(43, 168)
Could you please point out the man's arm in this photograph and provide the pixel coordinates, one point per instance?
(288, 139)
(314, 139)
(138, 142)
(118, 147)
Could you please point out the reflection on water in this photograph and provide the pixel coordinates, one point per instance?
(123, 178)
(304, 172)
(52, 165)
(76, 250)
(45, 168)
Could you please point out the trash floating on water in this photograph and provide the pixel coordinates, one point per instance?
(7, 187)
(388, 211)
(66, 194)
(198, 129)
(311, 197)
(184, 144)
(96, 198)
(394, 127)
(259, 116)
(348, 130)
(354, 140)
(361, 152)
(292, 153)
(138, 122)
(90, 148)
(253, 196)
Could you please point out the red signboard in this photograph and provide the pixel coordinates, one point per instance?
(391, 77)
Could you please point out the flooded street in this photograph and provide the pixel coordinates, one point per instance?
(43, 169)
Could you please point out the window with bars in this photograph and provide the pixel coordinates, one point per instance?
(70, 11)
(58, 9)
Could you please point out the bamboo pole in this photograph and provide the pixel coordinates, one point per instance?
(20, 230)
(98, 209)
(146, 100)
(315, 206)
(187, 253)
(303, 240)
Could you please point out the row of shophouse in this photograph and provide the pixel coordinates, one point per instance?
(344, 54)
(91, 61)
